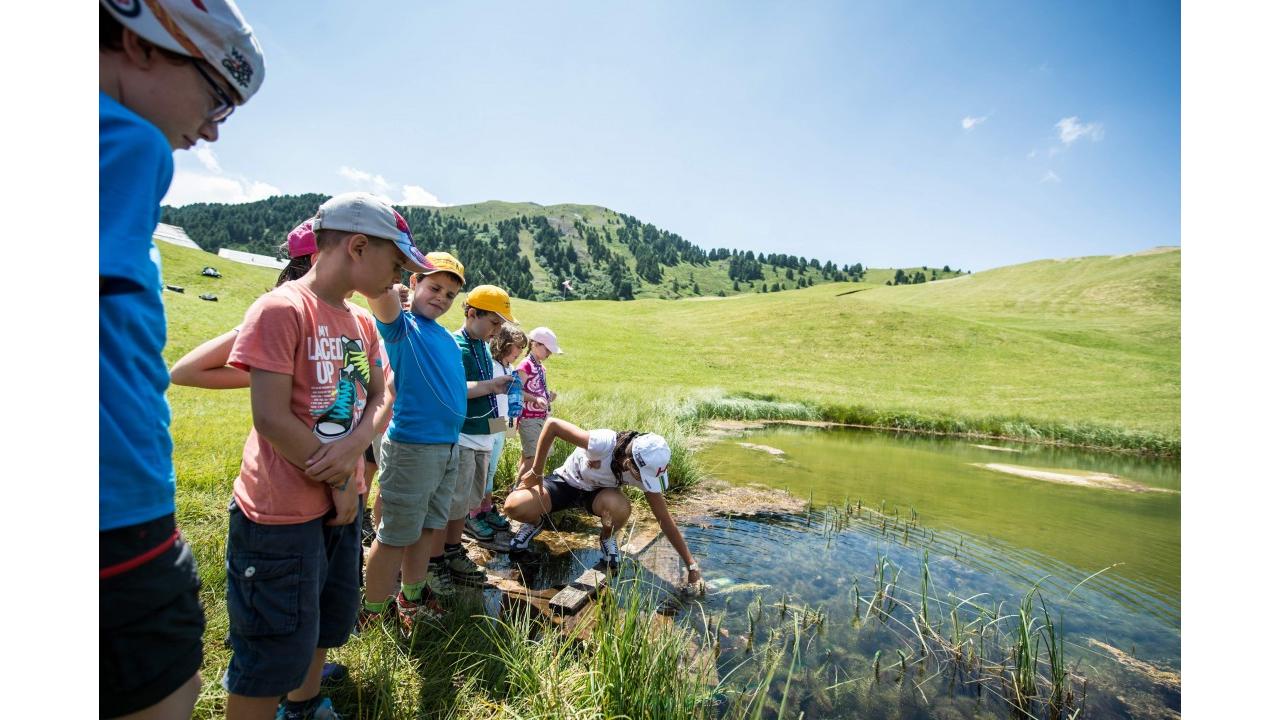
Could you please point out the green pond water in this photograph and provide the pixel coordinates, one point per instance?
(988, 535)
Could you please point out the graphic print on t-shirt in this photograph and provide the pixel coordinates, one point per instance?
(336, 406)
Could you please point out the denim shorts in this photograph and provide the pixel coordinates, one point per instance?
(150, 623)
(290, 590)
(417, 487)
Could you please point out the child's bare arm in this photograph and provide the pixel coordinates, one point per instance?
(383, 416)
(270, 394)
(387, 307)
(658, 504)
(206, 366)
(478, 388)
(555, 428)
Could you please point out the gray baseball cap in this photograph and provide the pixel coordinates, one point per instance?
(361, 212)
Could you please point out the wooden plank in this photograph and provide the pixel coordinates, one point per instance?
(571, 599)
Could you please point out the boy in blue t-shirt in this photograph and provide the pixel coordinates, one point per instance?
(420, 449)
(168, 73)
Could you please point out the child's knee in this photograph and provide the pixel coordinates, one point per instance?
(522, 505)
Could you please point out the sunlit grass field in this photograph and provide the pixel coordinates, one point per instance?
(1084, 350)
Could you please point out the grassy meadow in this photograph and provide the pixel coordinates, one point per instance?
(1083, 350)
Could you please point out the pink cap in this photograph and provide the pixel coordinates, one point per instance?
(302, 240)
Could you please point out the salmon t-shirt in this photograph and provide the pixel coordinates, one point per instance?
(329, 351)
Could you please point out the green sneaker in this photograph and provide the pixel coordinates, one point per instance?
(477, 528)
(440, 580)
(495, 519)
(463, 570)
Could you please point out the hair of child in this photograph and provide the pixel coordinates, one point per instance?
(508, 336)
(296, 268)
(622, 451)
(111, 38)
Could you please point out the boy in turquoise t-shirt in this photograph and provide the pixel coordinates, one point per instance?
(168, 74)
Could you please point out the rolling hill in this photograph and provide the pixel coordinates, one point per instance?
(532, 250)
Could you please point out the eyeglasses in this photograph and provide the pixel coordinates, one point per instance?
(226, 105)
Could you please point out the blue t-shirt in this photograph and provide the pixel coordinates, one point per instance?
(135, 453)
(431, 389)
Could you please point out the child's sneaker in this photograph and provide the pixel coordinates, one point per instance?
(462, 568)
(333, 673)
(477, 527)
(520, 541)
(609, 548)
(411, 613)
(368, 618)
(495, 519)
(322, 711)
(440, 581)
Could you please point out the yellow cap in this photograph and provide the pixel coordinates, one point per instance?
(493, 299)
(444, 262)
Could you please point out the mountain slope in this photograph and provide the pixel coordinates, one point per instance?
(532, 250)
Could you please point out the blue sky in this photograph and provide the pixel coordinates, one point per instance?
(974, 134)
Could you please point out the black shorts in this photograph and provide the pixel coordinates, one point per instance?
(150, 620)
(564, 496)
(370, 455)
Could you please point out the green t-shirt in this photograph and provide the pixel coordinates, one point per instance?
(479, 409)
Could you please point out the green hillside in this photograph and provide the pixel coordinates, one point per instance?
(532, 249)
(1081, 341)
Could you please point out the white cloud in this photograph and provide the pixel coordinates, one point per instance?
(1051, 176)
(418, 195)
(1070, 129)
(375, 184)
(205, 155)
(192, 187)
(969, 123)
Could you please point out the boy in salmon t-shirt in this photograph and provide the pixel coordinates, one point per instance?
(293, 543)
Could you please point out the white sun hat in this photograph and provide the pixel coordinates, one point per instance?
(546, 337)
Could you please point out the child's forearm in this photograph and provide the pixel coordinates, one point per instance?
(288, 435)
(386, 307)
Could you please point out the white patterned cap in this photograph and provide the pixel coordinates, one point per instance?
(210, 30)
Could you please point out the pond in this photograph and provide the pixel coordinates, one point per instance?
(973, 526)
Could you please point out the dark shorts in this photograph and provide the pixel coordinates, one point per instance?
(290, 590)
(149, 616)
(564, 496)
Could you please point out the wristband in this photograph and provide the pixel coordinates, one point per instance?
(693, 567)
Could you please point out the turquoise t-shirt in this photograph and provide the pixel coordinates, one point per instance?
(135, 452)
(431, 389)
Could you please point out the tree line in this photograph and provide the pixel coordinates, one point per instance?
(589, 258)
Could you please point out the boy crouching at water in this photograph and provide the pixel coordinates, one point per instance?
(293, 542)
(420, 450)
